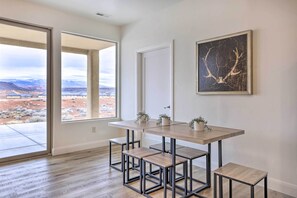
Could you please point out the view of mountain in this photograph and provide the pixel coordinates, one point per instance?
(69, 87)
(11, 86)
(29, 84)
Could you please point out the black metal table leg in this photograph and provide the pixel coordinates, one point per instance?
(230, 188)
(133, 165)
(208, 166)
(265, 187)
(144, 176)
(220, 165)
(220, 153)
(140, 176)
(252, 192)
(163, 144)
(191, 176)
(173, 152)
(185, 172)
(123, 168)
(163, 150)
(110, 153)
(127, 148)
(165, 182)
(215, 185)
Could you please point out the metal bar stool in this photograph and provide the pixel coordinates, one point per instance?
(164, 161)
(122, 142)
(242, 174)
(191, 154)
(138, 153)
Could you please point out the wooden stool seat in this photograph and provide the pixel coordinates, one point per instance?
(164, 160)
(158, 147)
(190, 153)
(242, 174)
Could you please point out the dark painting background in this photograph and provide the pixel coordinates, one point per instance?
(220, 62)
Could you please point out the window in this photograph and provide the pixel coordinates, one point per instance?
(88, 78)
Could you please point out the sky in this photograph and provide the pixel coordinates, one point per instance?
(21, 62)
(27, 63)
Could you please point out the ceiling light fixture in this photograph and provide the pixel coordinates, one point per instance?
(101, 14)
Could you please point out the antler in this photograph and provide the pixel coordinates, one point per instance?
(237, 56)
(209, 75)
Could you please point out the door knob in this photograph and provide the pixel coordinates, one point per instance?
(167, 107)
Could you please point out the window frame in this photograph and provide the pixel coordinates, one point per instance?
(117, 79)
(49, 87)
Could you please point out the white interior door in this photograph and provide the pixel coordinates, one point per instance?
(156, 82)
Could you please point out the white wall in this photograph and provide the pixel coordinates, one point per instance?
(269, 117)
(67, 137)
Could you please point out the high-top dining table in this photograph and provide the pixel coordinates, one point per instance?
(181, 131)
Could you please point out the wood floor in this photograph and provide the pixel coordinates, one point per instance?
(81, 174)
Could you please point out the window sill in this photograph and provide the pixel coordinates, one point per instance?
(99, 120)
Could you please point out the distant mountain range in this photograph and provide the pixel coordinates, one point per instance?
(27, 85)
(11, 86)
(40, 85)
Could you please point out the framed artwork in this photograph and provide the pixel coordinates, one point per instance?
(224, 64)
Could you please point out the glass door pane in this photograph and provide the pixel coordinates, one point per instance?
(23, 90)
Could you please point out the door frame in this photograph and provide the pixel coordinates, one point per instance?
(139, 75)
(49, 139)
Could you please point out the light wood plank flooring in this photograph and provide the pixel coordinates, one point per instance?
(80, 174)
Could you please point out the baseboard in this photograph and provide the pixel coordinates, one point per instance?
(79, 147)
(283, 187)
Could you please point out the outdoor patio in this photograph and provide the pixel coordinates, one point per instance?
(17, 139)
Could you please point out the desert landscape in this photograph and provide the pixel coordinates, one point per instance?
(15, 111)
(27, 104)
(75, 108)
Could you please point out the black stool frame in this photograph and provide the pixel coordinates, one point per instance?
(230, 186)
(207, 183)
(159, 186)
(114, 164)
(126, 177)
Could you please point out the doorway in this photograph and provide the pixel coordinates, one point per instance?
(155, 81)
(25, 61)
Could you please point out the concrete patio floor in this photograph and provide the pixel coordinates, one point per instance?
(18, 139)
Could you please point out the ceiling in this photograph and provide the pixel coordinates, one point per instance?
(118, 12)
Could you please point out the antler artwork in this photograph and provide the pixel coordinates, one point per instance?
(221, 79)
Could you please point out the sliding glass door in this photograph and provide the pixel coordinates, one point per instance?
(24, 90)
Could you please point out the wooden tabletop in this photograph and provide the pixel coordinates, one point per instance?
(184, 132)
(133, 125)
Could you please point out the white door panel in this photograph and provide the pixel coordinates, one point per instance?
(156, 82)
